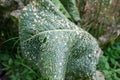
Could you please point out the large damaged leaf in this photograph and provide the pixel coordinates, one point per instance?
(58, 47)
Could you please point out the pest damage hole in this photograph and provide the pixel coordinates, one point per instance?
(44, 40)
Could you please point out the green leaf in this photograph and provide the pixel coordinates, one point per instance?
(57, 46)
(72, 9)
(60, 6)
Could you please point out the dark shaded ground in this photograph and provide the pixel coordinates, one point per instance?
(3, 75)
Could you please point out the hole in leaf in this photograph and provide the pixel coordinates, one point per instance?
(44, 40)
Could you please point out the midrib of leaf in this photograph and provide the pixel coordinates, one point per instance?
(65, 30)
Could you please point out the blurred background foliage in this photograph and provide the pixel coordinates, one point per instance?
(101, 18)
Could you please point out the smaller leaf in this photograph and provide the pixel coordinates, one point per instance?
(10, 62)
(71, 7)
